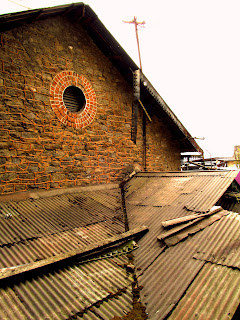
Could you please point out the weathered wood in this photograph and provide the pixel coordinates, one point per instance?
(172, 222)
(90, 249)
(186, 225)
(194, 228)
(144, 109)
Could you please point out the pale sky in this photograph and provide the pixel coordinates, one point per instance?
(190, 53)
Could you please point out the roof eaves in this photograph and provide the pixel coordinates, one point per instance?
(170, 113)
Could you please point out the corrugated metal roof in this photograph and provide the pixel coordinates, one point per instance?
(101, 289)
(46, 246)
(116, 307)
(214, 294)
(154, 197)
(119, 306)
(66, 292)
(198, 191)
(167, 278)
(36, 229)
(166, 272)
(48, 216)
(221, 244)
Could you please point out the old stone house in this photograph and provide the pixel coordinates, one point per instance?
(146, 248)
(66, 96)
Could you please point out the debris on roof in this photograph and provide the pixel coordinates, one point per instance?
(186, 233)
(193, 217)
(173, 236)
(68, 255)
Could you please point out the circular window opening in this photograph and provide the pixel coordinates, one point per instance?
(74, 99)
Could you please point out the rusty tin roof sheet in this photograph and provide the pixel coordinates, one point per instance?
(154, 197)
(214, 294)
(36, 229)
(184, 267)
(66, 292)
(198, 191)
(50, 225)
(167, 272)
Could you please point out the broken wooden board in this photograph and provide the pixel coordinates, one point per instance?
(172, 222)
(89, 249)
(174, 236)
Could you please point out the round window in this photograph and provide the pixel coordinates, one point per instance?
(74, 99)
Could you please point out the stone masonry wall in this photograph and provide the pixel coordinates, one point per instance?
(163, 153)
(39, 151)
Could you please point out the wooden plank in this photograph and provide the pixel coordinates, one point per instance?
(194, 228)
(184, 226)
(172, 222)
(90, 249)
(144, 109)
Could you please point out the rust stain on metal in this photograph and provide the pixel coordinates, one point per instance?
(165, 272)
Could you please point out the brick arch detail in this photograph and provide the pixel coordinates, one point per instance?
(60, 82)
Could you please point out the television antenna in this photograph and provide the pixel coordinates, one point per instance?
(137, 24)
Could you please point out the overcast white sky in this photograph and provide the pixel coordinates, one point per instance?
(190, 53)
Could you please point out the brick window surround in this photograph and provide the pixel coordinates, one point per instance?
(60, 82)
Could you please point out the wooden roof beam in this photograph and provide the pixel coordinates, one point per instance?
(87, 250)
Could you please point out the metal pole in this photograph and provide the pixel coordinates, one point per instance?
(136, 23)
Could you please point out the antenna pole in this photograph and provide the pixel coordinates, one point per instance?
(136, 23)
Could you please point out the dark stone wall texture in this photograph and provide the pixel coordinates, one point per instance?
(37, 150)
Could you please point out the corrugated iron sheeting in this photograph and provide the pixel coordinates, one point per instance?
(167, 278)
(109, 309)
(150, 247)
(209, 191)
(214, 294)
(221, 243)
(41, 248)
(166, 273)
(53, 225)
(37, 229)
(119, 306)
(197, 191)
(60, 213)
(65, 292)
(170, 274)
(154, 197)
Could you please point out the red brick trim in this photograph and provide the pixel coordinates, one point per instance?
(60, 82)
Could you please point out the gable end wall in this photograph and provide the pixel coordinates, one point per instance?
(39, 151)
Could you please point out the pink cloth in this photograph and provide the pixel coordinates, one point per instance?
(238, 178)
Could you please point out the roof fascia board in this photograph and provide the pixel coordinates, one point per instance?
(169, 112)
